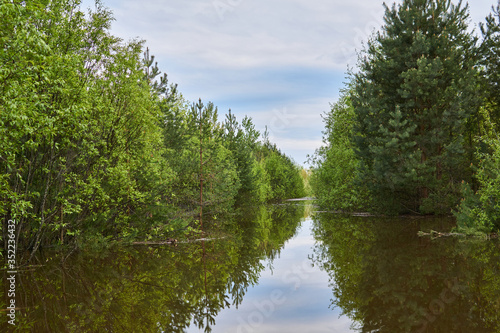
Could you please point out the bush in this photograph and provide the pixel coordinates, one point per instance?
(479, 210)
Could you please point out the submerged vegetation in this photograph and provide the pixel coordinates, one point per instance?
(415, 130)
(97, 146)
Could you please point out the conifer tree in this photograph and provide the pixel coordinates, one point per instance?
(412, 98)
(490, 60)
(241, 140)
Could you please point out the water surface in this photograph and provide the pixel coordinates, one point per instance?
(273, 269)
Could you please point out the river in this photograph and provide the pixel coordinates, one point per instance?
(281, 268)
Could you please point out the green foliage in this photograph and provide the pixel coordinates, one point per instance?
(261, 189)
(241, 140)
(413, 97)
(96, 146)
(182, 133)
(480, 211)
(306, 179)
(490, 61)
(284, 176)
(334, 176)
(66, 100)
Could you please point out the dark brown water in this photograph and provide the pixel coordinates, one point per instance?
(278, 269)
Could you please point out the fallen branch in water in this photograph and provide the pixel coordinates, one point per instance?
(437, 234)
(168, 241)
(354, 214)
(203, 239)
(440, 234)
(172, 241)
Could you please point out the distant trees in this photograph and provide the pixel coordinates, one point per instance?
(413, 122)
(96, 145)
(283, 175)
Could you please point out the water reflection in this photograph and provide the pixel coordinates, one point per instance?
(152, 289)
(270, 274)
(387, 279)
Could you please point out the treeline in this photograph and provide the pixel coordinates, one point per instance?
(95, 144)
(416, 127)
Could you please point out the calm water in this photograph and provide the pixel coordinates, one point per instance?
(276, 269)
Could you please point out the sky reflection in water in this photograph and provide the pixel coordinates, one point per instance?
(305, 295)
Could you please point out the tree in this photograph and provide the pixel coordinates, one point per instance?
(283, 174)
(185, 129)
(54, 54)
(241, 140)
(101, 290)
(413, 98)
(478, 211)
(80, 144)
(335, 173)
(95, 145)
(490, 61)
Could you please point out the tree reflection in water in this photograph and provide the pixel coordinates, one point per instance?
(153, 289)
(387, 279)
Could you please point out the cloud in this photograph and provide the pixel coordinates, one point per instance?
(249, 34)
(257, 56)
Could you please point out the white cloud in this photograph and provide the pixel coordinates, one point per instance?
(236, 34)
(247, 33)
(255, 56)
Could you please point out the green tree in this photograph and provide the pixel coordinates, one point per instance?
(490, 61)
(479, 209)
(182, 138)
(413, 98)
(125, 173)
(241, 140)
(54, 54)
(87, 163)
(96, 146)
(335, 173)
(283, 174)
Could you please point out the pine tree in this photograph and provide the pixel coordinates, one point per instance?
(241, 140)
(490, 60)
(413, 96)
(151, 72)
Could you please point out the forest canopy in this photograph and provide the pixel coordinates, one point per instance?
(96, 145)
(415, 130)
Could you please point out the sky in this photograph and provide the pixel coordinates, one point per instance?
(281, 62)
